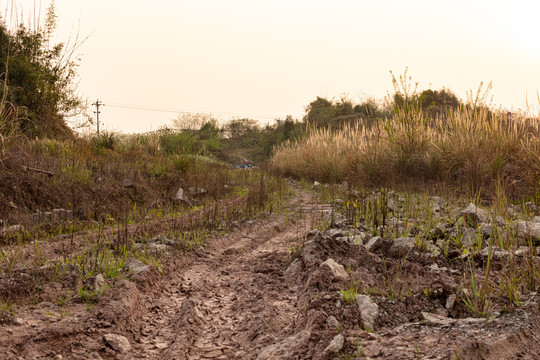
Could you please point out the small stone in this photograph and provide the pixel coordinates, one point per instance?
(402, 246)
(450, 301)
(335, 345)
(474, 215)
(437, 319)
(127, 183)
(332, 322)
(136, 266)
(373, 350)
(369, 311)
(285, 347)
(195, 191)
(337, 270)
(119, 343)
(374, 244)
(181, 196)
(99, 282)
(294, 268)
(528, 230)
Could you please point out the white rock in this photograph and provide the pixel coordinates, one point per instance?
(474, 214)
(528, 229)
(374, 243)
(181, 196)
(338, 271)
(335, 345)
(99, 282)
(136, 266)
(119, 343)
(450, 301)
(369, 311)
(438, 319)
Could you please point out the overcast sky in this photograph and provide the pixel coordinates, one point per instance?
(269, 59)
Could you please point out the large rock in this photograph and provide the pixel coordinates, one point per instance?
(474, 215)
(119, 343)
(337, 270)
(369, 311)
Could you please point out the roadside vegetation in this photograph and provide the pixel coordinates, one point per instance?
(477, 149)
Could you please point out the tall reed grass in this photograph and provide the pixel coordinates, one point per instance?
(474, 146)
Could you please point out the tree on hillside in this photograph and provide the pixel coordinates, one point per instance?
(38, 78)
(325, 113)
(438, 102)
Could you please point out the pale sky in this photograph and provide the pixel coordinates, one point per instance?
(268, 59)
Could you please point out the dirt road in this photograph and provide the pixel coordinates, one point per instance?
(275, 288)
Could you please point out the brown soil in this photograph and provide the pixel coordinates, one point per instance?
(246, 297)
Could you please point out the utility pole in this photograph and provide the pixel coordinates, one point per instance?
(97, 104)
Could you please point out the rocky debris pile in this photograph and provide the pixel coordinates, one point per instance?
(391, 290)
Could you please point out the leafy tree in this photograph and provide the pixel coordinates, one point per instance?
(320, 112)
(39, 78)
(438, 102)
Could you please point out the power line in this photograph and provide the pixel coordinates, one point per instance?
(177, 111)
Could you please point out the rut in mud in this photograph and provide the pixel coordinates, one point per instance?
(234, 299)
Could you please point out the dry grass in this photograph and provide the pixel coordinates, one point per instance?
(475, 147)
